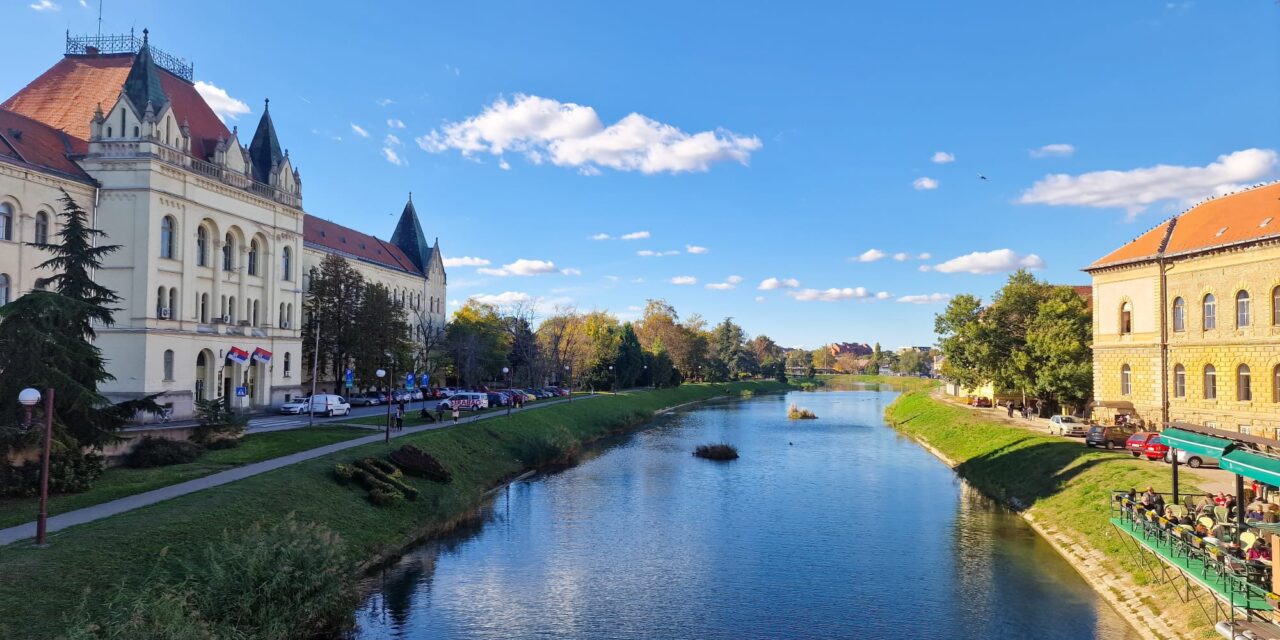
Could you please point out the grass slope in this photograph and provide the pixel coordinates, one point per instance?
(1060, 482)
(119, 482)
(39, 586)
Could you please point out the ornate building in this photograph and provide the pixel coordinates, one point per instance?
(212, 231)
(1186, 318)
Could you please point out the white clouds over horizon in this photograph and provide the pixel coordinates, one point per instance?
(395, 123)
(695, 249)
(684, 280)
(1053, 151)
(572, 135)
(45, 5)
(635, 235)
(466, 261)
(1136, 189)
(942, 157)
(988, 262)
(925, 298)
(222, 104)
(924, 183)
(359, 130)
(650, 253)
(829, 295)
(870, 255)
(521, 267)
(729, 283)
(769, 284)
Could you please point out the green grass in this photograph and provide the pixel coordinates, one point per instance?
(1061, 483)
(119, 482)
(905, 383)
(38, 586)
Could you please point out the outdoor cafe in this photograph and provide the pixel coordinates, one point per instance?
(1219, 547)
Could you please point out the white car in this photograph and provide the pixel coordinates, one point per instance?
(465, 402)
(1068, 426)
(325, 404)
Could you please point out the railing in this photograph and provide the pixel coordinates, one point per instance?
(85, 45)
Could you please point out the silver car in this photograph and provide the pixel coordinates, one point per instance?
(1193, 460)
(1068, 426)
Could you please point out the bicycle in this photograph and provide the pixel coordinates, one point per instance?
(166, 415)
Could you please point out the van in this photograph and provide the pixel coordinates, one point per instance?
(325, 404)
(465, 402)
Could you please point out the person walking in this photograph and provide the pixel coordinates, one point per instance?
(1009, 405)
(400, 417)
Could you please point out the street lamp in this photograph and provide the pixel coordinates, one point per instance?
(615, 380)
(646, 373)
(382, 373)
(569, 378)
(507, 378)
(29, 398)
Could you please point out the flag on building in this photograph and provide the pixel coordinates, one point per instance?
(238, 355)
(261, 355)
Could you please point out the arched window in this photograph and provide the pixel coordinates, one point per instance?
(167, 225)
(288, 364)
(1179, 381)
(231, 309)
(1242, 309)
(6, 221)
(173, 303)
(1275, 306)
(168, 364)
(253, 257)
(42, 228)
(1126, 380)
(202, 246)
(1275, 384)
(254, 317)
(1210, 382)
(1244, 387)
(4, 289)
(1210, 312)
(161, 299)
(1126, 318)
(288, 313)
(228, 251)
(286, 264)
(1179, 315)
(280, 316)
(204, 307)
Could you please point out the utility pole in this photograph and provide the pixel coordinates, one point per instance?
(315, 371)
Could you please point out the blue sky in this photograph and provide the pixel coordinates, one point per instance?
(784, 140)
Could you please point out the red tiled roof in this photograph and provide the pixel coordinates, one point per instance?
(330, 235)
(1084, 291)
(34, 143)
(1241, 217)
(65, 96)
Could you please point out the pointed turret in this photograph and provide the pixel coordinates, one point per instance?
(142, 86)
(409, 237)
(265, 151)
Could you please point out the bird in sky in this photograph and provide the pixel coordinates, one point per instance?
(981, 177)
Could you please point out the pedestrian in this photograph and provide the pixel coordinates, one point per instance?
(439, 413)
(455, 414)
(400, 417)
(1009, 405)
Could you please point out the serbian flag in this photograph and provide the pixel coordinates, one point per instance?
(238, 355)
(261, 355)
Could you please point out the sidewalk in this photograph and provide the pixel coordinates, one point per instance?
(129, 503)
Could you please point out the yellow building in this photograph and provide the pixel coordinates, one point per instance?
(1186, 318)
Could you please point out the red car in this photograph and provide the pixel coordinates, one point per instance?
(1137, 443)
(1155, 449)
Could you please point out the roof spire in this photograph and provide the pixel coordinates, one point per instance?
(143, 82)
(409, 237)
(264, 150)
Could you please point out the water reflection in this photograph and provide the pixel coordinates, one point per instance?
(833, 528)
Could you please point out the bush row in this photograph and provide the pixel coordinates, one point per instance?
(420, 463)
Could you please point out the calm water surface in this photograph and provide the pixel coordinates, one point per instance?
(834, 528)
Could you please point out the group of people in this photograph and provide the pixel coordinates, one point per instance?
(1025, 409)
(1220, 533)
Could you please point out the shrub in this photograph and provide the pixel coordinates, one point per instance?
(371, 477)
(716, 452)
(380, 466)
(747, 393)
(420, 463)
(385, 498)
(796, 413)
(546, 448)
(70, 471)
(161, 452)
(218, 424)
(344, 472)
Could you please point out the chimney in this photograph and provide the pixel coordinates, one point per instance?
(91, 51)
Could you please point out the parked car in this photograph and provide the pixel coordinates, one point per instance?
(982, 402)
(465, 402)
(497, 399)
(326, 404)
(1193, 460)
(1068, 426)
(1137, 443)
(1156, 449)
(369, 399)
(1108, 437)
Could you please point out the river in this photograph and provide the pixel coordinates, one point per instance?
(829, 528)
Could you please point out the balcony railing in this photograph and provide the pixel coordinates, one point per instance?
(174, 157)
(122, 43)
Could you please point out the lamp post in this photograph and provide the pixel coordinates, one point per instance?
(382, 373)
(569, 378)
(615, 379)
(29, 398)
(646, 373)
(506, 377)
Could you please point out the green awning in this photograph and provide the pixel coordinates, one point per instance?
(1252, 465)
(1196, 443)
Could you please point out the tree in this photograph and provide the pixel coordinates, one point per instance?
(562, 341)
(911, 362)
(429, 331)
(1006, 321)
(476, 343)
(1059, 342)
(602, 334)
(876, 358)
(383, 330)
(630, 361)
(821, 358)
(961, 337)
(333, 306)
(525, 359)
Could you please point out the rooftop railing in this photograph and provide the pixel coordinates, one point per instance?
(128, 43)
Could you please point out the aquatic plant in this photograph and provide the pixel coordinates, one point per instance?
(716, 452)
(796, 413)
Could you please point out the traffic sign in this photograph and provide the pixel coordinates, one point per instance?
(351, 378)
(242, 392)
(409, 380)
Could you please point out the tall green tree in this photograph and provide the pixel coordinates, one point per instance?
(1059, 342)
(962, 337)
(334, 300)
(384, 330)
(476, 342)
(1006, 322)
(630, 361)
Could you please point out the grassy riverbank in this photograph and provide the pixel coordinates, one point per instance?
(1060, 483)
(38, 587)
(905, 383)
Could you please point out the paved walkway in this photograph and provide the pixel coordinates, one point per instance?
(129, 503)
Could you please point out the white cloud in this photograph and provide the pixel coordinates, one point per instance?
(649, 253)
(870, 255)
(734, 279)
(84, 3)
(637, 280)
(925, 298)
(391, 140)
(924, 256)
(1136, 189)
(383, 102)
(684, 280)
(223, 105)
(942, 157)
(924, 184)
(635, 235)
(466, 261)
(984, 262)
(452, 69)
(360, 131)
(393, 157)
(601, 236)
(503, 164)
(883, 295)
(395, 123)
(759, 298)
(45, 5)
(573, 135)
(503, 299)
(695, 249)
(1053, 150)
(768, 284)
(521, 267)
(729, 283)
(828, 295)
(900, 257)
(570, 271)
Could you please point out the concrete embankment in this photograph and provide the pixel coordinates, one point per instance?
(1062, 488)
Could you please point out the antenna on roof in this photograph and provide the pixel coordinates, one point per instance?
(99, 18)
